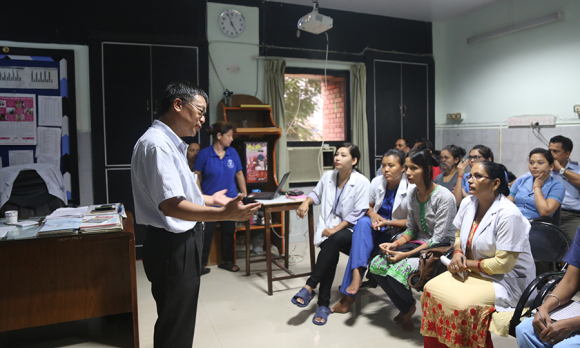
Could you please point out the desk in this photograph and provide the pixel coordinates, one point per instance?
(58, 279)
(280, 204)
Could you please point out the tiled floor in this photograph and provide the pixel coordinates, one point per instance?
(235, 311)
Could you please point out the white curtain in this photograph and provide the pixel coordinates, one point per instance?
(274, 95)
(359, 117)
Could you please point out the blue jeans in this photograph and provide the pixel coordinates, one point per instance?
(527, 338)
(363, 237)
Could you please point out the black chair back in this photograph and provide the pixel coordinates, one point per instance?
(30, 196)
(548, 242)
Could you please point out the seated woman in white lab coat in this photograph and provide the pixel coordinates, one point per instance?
(343, 195)
(491, 243)
(386, 217)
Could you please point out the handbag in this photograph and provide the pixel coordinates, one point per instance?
(429, 266)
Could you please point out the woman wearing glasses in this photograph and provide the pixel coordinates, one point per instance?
(477, 154)
(491, 266)
(431, 210)
(538, 194)
(218, 168)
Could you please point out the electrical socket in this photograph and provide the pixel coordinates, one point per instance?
(577, 109)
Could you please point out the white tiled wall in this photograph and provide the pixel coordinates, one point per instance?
(510, 146)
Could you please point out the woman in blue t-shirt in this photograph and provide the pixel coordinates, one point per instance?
(538, 194)
(218, 167)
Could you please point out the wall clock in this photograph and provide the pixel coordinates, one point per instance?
(232, 23)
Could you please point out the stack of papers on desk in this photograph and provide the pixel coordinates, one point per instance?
(5, 229)
(60, 226)
(65, 213)
(101, 223)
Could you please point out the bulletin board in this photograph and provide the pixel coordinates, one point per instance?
(38, 111)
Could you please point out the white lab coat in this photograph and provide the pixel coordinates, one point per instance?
(355, 196)
(377, 195)
(502, 228)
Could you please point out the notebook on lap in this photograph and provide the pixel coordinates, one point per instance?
(270, 195)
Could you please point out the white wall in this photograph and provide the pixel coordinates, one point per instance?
(534, 71)
(83, 110)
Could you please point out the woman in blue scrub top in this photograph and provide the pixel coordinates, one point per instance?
(218, 167)
(477, 154)
(538, 194)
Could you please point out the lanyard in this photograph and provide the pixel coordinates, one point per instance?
(340, 194)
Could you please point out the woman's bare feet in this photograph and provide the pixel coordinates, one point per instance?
(301, 301)
(356, 281)
(343, 304)
(408, 320)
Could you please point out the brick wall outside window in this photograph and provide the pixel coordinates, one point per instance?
(333, 109)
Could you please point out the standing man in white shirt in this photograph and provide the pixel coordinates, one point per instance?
(170, 205)
(568, 173)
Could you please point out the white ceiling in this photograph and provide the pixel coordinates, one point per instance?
(421, 10)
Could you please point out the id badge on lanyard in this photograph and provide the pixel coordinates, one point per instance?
(335, 219)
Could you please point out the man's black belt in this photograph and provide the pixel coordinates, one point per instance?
(572, 211)
(199, 227)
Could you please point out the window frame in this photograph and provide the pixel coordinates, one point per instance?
(347, 118)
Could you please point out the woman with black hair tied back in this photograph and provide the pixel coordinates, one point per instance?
(450, 157)
(429, 215)
(343, 196)
(477, 154)
(538, 194)
(491, 266)
(218, 168)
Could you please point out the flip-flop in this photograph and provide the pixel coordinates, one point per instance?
(305, 295)
(322, 312)
(229, 266)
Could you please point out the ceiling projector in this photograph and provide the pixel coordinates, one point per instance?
(315, 22)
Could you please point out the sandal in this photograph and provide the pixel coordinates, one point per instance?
(322, 312)
(305, 295)
(229, 266)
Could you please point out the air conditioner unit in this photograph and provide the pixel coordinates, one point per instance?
(306, 163)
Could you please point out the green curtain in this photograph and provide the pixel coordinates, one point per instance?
(274, 95)
(359, 116)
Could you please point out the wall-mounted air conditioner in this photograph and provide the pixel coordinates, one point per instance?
(306, 163)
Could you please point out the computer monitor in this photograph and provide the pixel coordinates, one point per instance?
(256, 162)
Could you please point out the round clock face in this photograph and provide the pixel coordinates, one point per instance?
(232, 23)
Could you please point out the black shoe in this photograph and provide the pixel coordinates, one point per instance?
(205, 270)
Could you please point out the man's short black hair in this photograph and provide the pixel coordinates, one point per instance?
(566, 142)
(183, 90)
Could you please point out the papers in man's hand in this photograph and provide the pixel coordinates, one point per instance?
(66, 213)
(5, 229)
(60, 226)
(567, 311)
(101, 223)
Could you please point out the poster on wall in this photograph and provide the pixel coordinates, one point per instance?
(17, 119)
(28, 77)
(256, 162)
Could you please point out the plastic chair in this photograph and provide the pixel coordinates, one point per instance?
(555, 220)
(30, 196)
(549, 244)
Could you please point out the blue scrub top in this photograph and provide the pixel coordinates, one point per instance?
(386, 210)
(218, 174)
(523, 194)
(572, 257)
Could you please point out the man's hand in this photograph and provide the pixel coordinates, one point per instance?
(557, 166)
(220, 198)
(235, 210)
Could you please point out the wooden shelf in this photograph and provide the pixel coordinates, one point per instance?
(259, 131)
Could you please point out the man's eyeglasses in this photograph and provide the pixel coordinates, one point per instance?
(476, 176)
(475, 158)
(202, 111)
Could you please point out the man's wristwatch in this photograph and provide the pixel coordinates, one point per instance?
(562, 170)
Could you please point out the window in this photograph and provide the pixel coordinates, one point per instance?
(315, 113)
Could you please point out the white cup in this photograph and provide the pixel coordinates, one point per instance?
(11, 216)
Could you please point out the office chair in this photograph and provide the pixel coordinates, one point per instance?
(30, 196)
